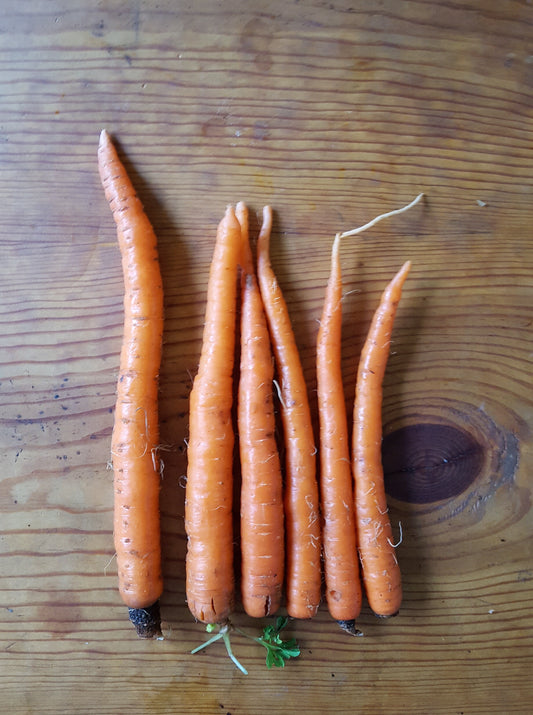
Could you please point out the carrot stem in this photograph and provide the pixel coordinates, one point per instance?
(223, 634)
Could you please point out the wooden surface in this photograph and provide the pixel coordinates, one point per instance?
(332, 112)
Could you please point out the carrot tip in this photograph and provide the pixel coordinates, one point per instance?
(147, 621)
(104, 137)
(349, 627)
(387, 615)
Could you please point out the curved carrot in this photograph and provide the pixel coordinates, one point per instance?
(209, 490)
(302, 521)
(341, 563)
(262, 530)
(381, 573)
(343, 589)
(136, 430)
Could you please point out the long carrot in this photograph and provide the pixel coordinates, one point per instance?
(381, 573)
(343, 588)
(209, 489)
(135, 437)
(302, 519)
(341, 564)
(262, 529)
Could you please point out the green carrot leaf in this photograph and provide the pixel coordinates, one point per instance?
(278, 650)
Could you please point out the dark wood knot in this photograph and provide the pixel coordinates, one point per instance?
(425, 463)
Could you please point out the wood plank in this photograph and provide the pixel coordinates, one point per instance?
(332, 113)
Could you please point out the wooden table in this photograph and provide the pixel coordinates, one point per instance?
(332, 112)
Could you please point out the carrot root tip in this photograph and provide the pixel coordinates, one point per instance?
(387, 615)
(147, 621)
(349, 627)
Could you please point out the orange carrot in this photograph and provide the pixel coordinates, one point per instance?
(262, 530)
(381, 573)
(343, 589)
(302, 520)
(209, 490)
(341, 564)
(135, 437)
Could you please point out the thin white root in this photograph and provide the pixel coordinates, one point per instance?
(108, 564)
(381, 511)
(315, 541)
(350, 292)
(400, 538)
(379, 218)
(378, 530)
(278, 390)
(310, 503)
(143, 409)
(371, 489)
(166, 447)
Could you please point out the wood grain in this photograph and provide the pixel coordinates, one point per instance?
(332, 112)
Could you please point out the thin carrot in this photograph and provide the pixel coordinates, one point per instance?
(134, 447)
(343, 589)
(262, 530)
(209, 489)
(341, 564)
(381, 573)
(302, 520)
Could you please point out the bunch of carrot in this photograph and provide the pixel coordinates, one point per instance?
(267, 510)
(346, 523)
(357, 530)
(288, 527)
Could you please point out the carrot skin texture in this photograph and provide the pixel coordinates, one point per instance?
(381, 573)
(341, 561)
(262, 527)
(209, 491)
(302, 518)
(135, 437)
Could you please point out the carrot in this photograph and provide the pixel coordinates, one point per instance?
(209, 489)
(343, 588)
(381, 573)
(302, 521)
(341, 564)
(134, 447)
(262, 529)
